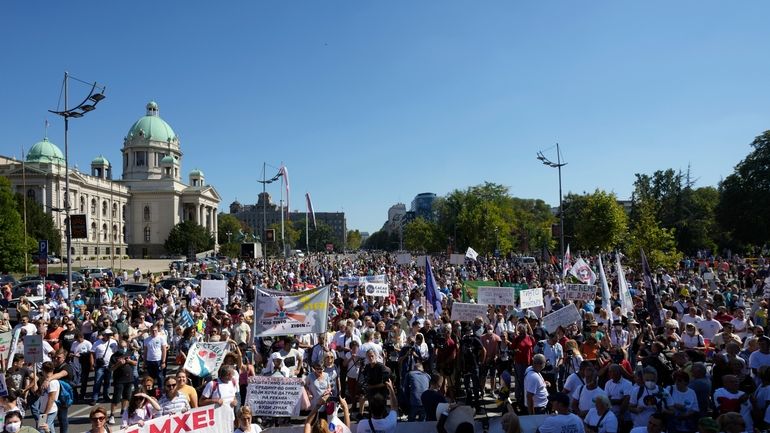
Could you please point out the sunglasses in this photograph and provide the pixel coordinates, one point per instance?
(98, 418)
(170, 385)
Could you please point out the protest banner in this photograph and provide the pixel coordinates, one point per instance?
(14, 345)
(210, 419)
(376, 289)
(33, 348)
(562, 317)
(379, 278)
(579, 292)
(468, 312)
(531, 298)
(214, 289)
(457, 259)
(348, 282)
(204, 359)
(404, 259)
(5, 345)
(281, 313)
(496, 295)
(274, 396)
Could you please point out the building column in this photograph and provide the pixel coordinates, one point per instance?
(216, 229)
(200, 214)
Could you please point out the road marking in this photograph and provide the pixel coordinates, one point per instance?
(79, 411)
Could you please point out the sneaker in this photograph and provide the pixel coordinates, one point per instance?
(111, 420)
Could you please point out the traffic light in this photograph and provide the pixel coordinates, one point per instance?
(270, 235)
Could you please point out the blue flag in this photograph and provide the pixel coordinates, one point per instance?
(431, 291)
(186, 320)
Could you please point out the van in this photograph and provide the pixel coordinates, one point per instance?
(526, 261)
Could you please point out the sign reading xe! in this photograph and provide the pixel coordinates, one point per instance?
(215, 420)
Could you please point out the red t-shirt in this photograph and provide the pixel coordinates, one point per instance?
(523, 348)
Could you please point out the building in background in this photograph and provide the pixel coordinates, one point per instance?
(422, 206)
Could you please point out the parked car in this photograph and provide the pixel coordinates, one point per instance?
(78, 280)
(96, 272)
(13, 314)
(7, 278)
(210, 276)
(131, 290)
(26, 288)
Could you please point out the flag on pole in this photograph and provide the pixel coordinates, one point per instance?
(566, 263)
(606, 295)
(283, 171)
(651, 297)
(431, 289)
(310, 209)
(471, 253)
(187, 319)
(626, 302)
(583, 272)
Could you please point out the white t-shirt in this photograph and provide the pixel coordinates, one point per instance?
(573, 382)
(535, 385)
(562, 423)
(641, 418)
(585, 397)
(606, 424)
(692, 341)
(616, 391)
(81, 348)
(226, 391)
(709, 328)
(154, 347)
(383, 425)
(745, 407)
(254, 429)
(53, 387)
(758, 359)
(688, 398)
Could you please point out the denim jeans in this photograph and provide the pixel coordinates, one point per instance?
(154, 370)
(62, 416)
(101, 383)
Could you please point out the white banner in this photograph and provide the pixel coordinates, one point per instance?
(579, 292)
(207, 418)
(563, 317)
(282, 313)
(531, 298)
(379, 278)
(404, 259)
(204, 359)
(468, 312)
(457, 259)
(214, 289)
(377, 289)
(420, 261)
(274, 396)
(5, 347)
(497, 295)
(33, 348)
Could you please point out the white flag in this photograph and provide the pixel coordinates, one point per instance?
(626, 303)
(566, 263)
(583, 272)
(471, 254)
(606, 296)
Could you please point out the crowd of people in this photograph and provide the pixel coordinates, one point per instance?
(701, 366)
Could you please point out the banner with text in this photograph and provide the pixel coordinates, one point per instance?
(531, 298)
(468, 312)
(204, 359)
(496, 295)
(377, 289)
(274, 396)
(579, 292)
(33, 348)
(216, 289)
(281, 313)
(207, 418)
(562, 317)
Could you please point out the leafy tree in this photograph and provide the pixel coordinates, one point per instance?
(658, 243)
(187, 236)
(40, 225)
(291, 236)
(744, 197)
(319, 236)
(601, 223)
(353, 240)
(12, 236)
(227, 223)
(422, 235)
(382, 240)
(699, 228)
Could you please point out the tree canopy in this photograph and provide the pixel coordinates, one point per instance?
(188, 237)
(12, 236)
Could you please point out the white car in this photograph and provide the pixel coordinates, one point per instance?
(35, 303)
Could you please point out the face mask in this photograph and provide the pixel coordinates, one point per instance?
(650, 384)
(13, 427)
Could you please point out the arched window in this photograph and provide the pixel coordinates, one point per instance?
(114, 232)
(104, 232)
(104, 208)
(31, 193)
(114, 210)
(93, 206)
(124, 213)
(147, 234)
(124, 234)
(82, 204)
(146, 213)
(93, 231)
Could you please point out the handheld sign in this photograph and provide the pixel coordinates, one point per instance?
(33, 348)
(497, 295)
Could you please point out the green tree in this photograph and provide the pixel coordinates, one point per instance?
(291, 236)
(186, 237)
(319, 236)
(422, 235)
(382, 240)
(227, 223)
(699, 228)
(12, 236)
(659, 243)
(353, 240)
(40, 225)
(601, 223)
(744, 197)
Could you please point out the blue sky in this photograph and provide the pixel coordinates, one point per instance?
(369, 103)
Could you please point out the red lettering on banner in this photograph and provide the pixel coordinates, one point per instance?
(181, 423)
(136, 430)
(211, 417)
(199, 420)
(164, 428)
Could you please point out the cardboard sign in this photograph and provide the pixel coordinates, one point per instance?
(579, 292)
(274, 396)
(531, 298)
(33, 348)
(563, 317)
(376, 289)
(214, 289)
(497, 295)
(404, 259)
(469, 312)
(204, 359)
(457, 259)
(207, 418)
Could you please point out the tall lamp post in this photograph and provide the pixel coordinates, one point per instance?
(264, 183)
(558, 165)
(89, 104)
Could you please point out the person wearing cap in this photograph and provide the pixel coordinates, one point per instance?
(562, 420)
(101, 351)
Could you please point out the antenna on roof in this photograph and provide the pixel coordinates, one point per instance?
(45, 132)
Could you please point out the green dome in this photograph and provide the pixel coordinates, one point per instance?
(152, 126)
(196, 172)
(168, 159)
(45, 151)
(100, 160)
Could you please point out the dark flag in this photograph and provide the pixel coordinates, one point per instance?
(431, 289)
(651, 290)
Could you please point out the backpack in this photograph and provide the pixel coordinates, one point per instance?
(66, 394)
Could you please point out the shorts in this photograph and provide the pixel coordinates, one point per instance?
(122, 391)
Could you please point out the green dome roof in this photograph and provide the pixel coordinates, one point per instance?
(168, 159)
(152, 126)
(45, 151)
(196, 172)
(100, 160)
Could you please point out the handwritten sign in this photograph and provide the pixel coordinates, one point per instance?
(274, 396)
(33, 348)
(204, 359)
(468, 312)
(579, 292)
(497, 295)
(531, 298)
(376, 289)
(562, 317)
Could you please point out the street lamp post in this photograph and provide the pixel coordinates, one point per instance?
(88, 104)
(558, 165)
